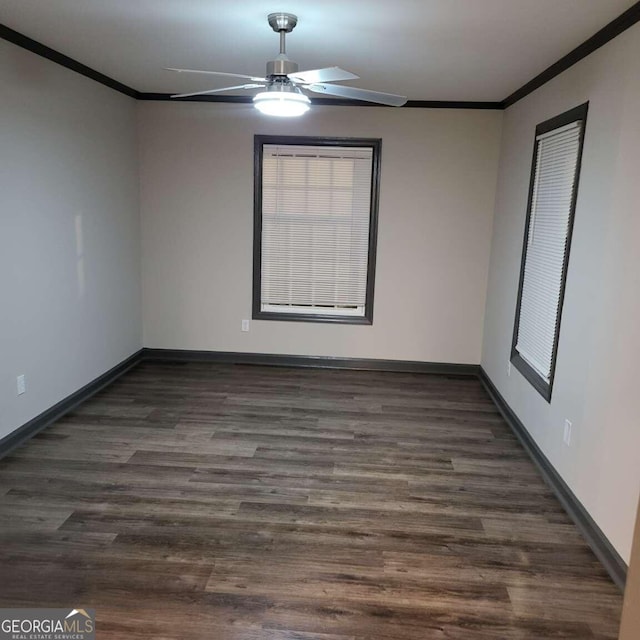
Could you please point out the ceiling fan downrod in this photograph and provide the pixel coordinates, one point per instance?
(282, 23)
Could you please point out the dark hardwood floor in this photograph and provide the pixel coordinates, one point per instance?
(261, 503)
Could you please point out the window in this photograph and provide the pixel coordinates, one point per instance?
(552, 201)
(315, 228)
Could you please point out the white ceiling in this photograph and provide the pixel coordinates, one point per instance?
(425, 49)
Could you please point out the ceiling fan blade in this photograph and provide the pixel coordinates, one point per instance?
(329, 74)
(390, 99)
(205, 93)
(217, 73)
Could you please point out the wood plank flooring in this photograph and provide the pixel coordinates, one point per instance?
(262, 503)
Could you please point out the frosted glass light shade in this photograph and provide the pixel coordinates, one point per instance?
(282, 104)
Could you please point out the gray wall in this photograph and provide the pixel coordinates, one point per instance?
(70, 307)
(439, 170)
(596, 376)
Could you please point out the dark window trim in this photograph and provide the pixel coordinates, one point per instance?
(259, 142)
(536, 380)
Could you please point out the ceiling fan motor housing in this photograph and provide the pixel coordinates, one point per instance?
(281, 66)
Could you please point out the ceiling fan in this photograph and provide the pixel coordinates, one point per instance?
(282, 84)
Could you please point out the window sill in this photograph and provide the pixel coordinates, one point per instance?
(311, 317)
(535, 379)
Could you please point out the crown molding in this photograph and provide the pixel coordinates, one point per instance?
(617, 26)
(630, 17)
(331, 102)
(65, 61)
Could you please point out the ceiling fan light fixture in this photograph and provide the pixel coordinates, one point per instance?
(282, 95)
(284, 104)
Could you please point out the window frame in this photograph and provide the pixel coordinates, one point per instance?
(259, 141)
(576, 114)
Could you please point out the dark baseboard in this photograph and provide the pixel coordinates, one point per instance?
(37, 424)
(29, 429)
(608, 556)
(604, 551)
(317, 362)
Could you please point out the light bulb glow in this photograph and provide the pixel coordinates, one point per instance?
(282, 104)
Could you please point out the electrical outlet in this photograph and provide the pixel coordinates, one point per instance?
(21, 384)
(567, 432)
(245, 325)
(509, 368)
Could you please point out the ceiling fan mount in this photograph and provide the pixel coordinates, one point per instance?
(281, 87)
(282, 22)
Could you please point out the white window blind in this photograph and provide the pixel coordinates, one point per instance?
(316, 205)
(547, 243)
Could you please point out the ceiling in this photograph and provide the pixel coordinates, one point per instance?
(472, 50)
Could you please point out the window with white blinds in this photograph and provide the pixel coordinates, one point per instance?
(551, 209)
(315, 222)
